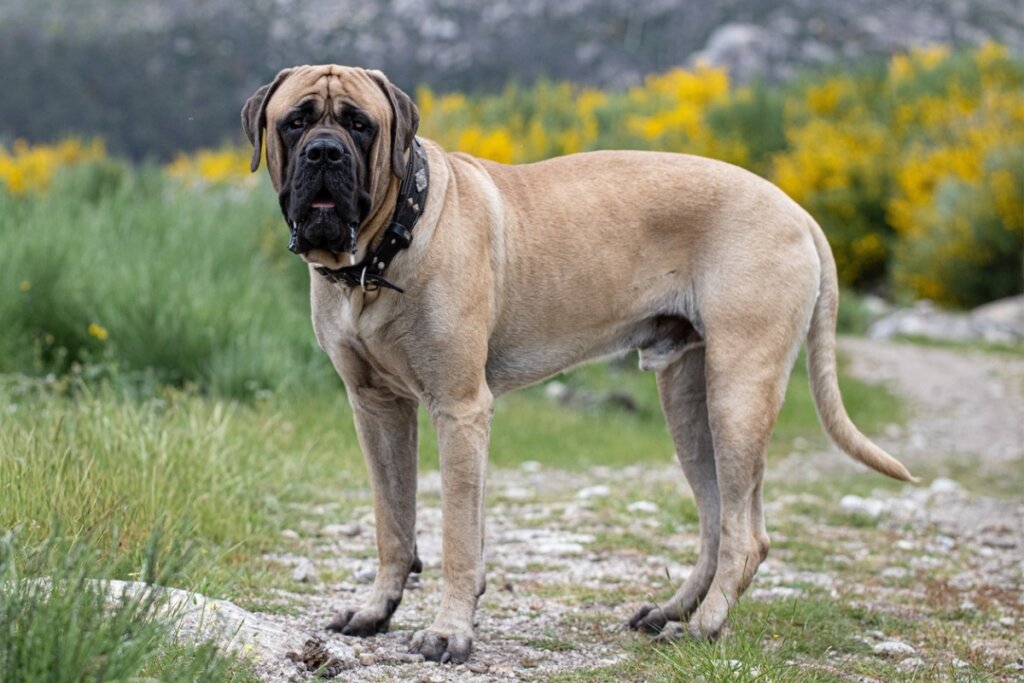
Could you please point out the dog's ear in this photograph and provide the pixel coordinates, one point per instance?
(254, 116)
(405, 119)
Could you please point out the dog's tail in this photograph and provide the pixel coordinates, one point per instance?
(821, 367)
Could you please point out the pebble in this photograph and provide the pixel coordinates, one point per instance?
(367, 659)
(944, 485)
(644, 506)
(893, 648)
(304, 571)
(291, 534)
(530, 466)
(910, 663)
(348, 530)
(870, 507)
(599, 491)
(894, 572)
(556, 391)
(479, 667)
(366, 575)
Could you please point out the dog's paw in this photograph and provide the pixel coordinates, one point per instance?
(361, 622)
(649, 618)
(441, 646)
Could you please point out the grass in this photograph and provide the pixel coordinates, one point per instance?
(66, 627)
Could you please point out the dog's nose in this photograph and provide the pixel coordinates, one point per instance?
(327, 151)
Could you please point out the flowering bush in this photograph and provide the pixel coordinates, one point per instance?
(27, 167)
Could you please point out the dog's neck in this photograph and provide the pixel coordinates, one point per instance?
(380, 249)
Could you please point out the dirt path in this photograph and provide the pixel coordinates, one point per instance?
(570, 554)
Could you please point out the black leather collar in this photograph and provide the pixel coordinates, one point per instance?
(368, 274)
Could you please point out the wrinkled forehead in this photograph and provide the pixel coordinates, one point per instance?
(328, 84)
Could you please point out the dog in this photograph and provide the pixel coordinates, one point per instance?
(446, 280)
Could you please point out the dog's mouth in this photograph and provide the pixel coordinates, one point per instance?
(323, 201)
(321, 231)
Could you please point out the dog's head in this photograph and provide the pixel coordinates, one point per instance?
(336, 139)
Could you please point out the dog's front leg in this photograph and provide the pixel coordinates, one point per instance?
(463, 428)
(386, 426)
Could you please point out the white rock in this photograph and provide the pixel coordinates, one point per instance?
(893, 648)
(517, 493)
(290, 534)
(943, 485)
(530, 466)
(366, 575)
(869, 507)
(599, 491)
(304, 571)
(556, 391)
(348, 530)
(910, 663)
(644, 506)
(894, 572)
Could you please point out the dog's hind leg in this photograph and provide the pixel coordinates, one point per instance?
(682, 389)
(746, 386)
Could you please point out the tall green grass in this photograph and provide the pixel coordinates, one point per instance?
(194, 286)
(68, 626)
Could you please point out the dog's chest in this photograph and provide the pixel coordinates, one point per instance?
(357, 340)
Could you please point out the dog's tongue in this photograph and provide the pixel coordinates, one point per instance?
(323, 204)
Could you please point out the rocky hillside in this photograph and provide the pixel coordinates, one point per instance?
(68, 63)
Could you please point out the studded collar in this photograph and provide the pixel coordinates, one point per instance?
(368, 274)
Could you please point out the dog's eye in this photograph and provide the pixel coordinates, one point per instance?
(298, 123)
(358, 125)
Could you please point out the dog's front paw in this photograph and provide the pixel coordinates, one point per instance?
(362, 621)
(442, 646)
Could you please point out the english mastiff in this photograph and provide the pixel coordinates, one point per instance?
(445, 280)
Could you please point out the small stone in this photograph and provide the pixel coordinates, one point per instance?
(346, 530)
(530, 466)
(868, 507)
(290, 534)
(893, 648)
(478, 667)
(1008, 622)
(894, 572)
(304, 571)
(944, 485)
(599, 491)
(910, 663)
(959, 663)
(644, 506)
(367, 659)
(557, 391)
(366, 575)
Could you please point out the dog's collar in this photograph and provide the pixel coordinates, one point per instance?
(368, 274)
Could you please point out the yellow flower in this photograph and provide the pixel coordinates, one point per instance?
(224, 165)
(98, 332)
(30, 168)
